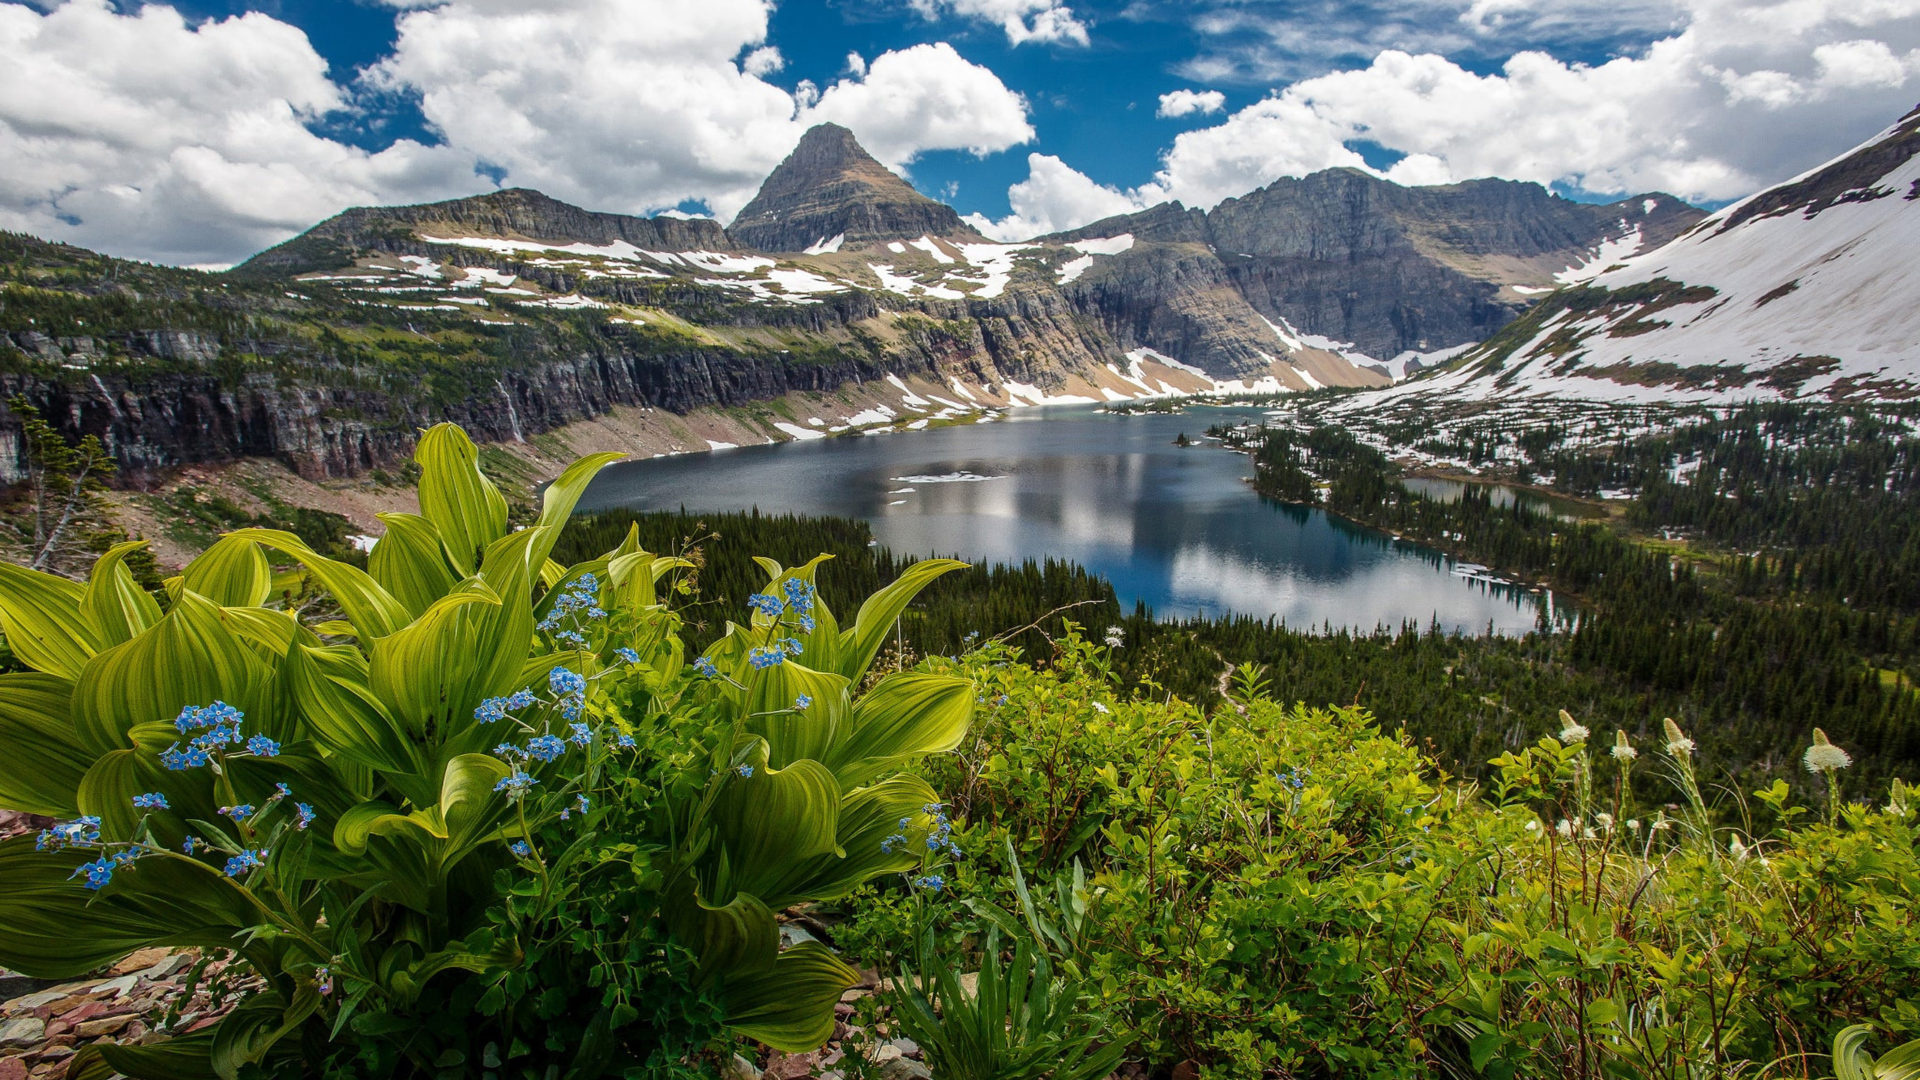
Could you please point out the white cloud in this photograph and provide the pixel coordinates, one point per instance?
(145, 135)
(926, 97)
(1041, 21)
(1052, 198)
(762, 62)
(1746, 93)
(1186, 102)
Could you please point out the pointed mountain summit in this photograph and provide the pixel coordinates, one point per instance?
(830, 192)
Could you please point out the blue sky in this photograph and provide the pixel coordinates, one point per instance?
(1032, 114)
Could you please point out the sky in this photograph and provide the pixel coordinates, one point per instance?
(200, 131)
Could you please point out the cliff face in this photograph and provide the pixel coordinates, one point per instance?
(830, 192)
(1350, 257)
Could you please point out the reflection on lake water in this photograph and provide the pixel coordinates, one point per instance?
(1177, 528)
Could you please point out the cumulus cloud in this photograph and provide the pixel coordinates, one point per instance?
(1054, 196)
(188, 144)
(146, 135)
(923, 98)
(1747, 93)
(1187, 102)
(1041, 21)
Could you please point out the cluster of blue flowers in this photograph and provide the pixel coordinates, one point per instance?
(152, 800)
(245, 861)
(495, 709)
(939, 837)
(576, 605)
(516, 783)
(930, 882)
(766, 656)
(80, 832)
(571, 688)
(796, 596)
(1294, 779)
(801, 703)
(705, 667)
(214, 728)
(520, 848)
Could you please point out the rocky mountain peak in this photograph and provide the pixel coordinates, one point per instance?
(829, 187)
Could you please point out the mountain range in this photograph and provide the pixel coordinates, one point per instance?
(514, 313)
(1803, 290)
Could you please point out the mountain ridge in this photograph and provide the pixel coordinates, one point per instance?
(829, 191)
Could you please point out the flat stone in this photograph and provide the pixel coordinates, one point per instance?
(904, 1069)
(138, 959)
(33, 1001)
(783, 1066)
(13, 1068)
(118, 986)
(22, 1031)
(739, 1069)
(106, 1025)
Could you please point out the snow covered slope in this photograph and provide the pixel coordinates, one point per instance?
(1807, 289)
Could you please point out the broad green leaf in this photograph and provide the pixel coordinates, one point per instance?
(1900, 1063)
(330, 689)
(1850, 1058)
(372, 610)
(791, 1007)
(463, 504)
(868, 816)
(34, 727)
(410, 562)
(907, 715)
(40, 614)
(560, 497)
(796, 734)
(860, 642)
(248, 1034)
(116, 608)
(231, 573)
(189, 657)
(764, 822)
(634, 575)
(58, 929)
(184, 1057)
(735, 939)
(468, 647)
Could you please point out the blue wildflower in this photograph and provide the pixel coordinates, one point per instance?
(193, 844)
(99, 872)
(515, 784)
(705, 667)
(546, 747)
(261, 746)
(564, 682)
(624, 741)
(152, 800)
(178, 760)
(806, 624)
(280, 791)
(237, 813)
(323, 980)
(581, 736)
(744, 770)
(302, 815)
(520, 699)
(572, 639)
(581, 802)
(799, 593)
(491, 711)
(930, 882)
(520, 848)
(767, 656)
(792, 645)
(770, 606)
(802, 702)
(627, 656)
(245, 861)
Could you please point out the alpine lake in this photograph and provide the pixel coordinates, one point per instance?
(1177, 528)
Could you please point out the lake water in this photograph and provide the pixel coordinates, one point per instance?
(1178, 528)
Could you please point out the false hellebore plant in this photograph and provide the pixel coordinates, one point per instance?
(349, 806)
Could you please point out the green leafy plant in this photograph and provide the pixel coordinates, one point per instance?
(1852, 1062)
(422, 810)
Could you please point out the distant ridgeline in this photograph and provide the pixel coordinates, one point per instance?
(512, 313)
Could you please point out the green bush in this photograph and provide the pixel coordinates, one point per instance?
(1283, 891)
(488, 821)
